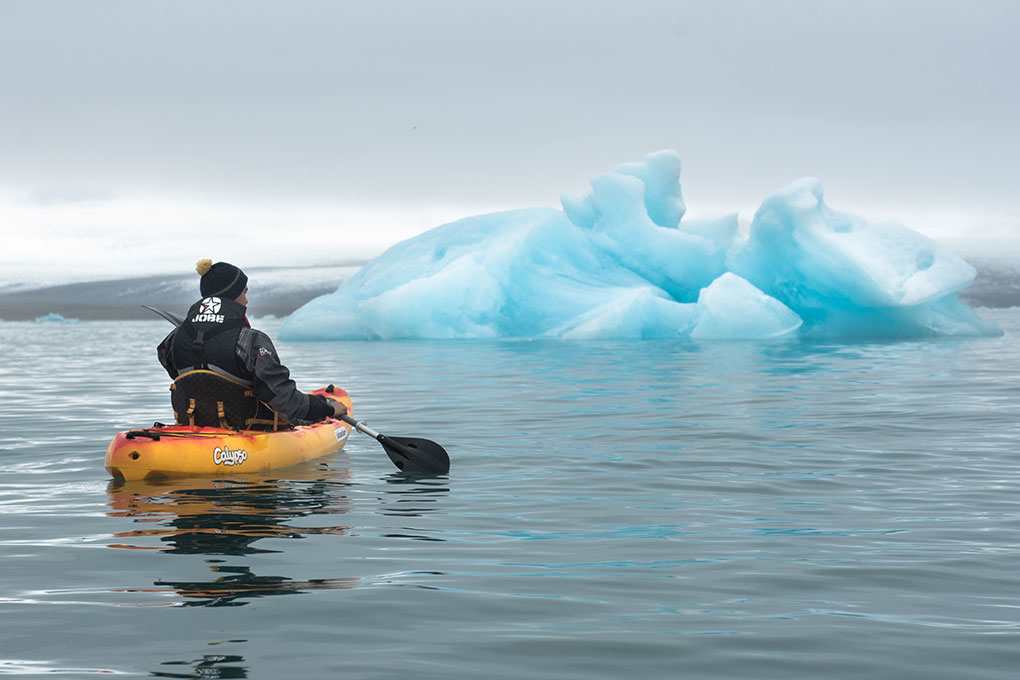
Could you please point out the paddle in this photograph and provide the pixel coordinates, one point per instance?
(172, 318)
(411, 455)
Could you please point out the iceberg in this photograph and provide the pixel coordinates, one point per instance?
(623, 262)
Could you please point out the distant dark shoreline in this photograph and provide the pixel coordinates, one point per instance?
(997, 285)
(276, 292)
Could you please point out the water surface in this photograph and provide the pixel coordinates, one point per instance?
(643, 509)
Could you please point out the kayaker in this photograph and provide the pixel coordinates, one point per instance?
(225, 372)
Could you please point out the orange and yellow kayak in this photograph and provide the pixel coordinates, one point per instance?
(186, 451)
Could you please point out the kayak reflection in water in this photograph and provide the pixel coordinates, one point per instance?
(226, 373)
(225, 518)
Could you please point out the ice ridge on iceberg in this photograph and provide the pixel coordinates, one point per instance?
(622, 262)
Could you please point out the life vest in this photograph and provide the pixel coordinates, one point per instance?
(212, 388)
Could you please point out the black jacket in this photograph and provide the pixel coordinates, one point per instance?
(255, 359)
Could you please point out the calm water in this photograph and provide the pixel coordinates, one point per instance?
(638, 510)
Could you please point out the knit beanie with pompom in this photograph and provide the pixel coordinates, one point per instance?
(222, 279)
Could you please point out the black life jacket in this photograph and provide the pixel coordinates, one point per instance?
(207, 340)
(212, 388)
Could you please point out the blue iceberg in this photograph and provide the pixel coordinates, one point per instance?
(622, 262)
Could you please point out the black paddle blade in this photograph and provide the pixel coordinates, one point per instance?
(416, 456)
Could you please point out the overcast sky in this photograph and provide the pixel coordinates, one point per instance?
(138, 136)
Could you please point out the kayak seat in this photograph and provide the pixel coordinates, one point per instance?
(206, 398)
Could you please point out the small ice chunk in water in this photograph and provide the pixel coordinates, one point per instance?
(53, 317)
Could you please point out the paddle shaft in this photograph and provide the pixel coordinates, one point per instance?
(361, 427)
(172, 318)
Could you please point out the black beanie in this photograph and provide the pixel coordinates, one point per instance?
(222, 279)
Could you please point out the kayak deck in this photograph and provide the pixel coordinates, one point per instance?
(187, 451)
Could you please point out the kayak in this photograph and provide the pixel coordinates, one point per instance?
(167, 451)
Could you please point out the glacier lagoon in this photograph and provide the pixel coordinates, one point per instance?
(656, 509)
(623, 262)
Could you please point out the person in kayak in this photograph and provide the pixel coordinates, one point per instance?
(226, 373)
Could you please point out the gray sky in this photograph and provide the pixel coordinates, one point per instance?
(296, 132)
